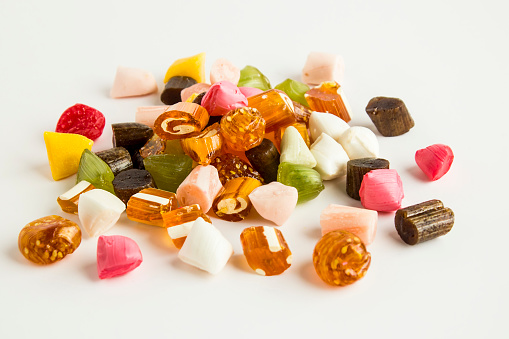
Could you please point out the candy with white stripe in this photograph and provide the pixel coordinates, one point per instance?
(98, 211)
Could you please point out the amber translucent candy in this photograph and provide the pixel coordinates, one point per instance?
(154, 146)
(69, 200)
(301, 128)
(232, 202)
(242, 128)
(275, 107)
(49, 239)
(204, 147)
(182, 120)
(266, 250)
(230, 166)
(329, 97)
(147, 205)
(181, 216)
(301, 113)
(340, 258)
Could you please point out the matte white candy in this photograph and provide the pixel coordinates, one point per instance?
(327, 123)
(274, 201)
(322, 67)
(206, 248)
(359, 142)
(98, 211)
(330, 156)
(294, 149)
(130, 82)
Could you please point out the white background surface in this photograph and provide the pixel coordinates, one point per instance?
(446, 59)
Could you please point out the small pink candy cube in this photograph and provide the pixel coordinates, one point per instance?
(381, 190)
(116, 255)
(274, 201)
(359, 221)
(200, 187)
(434, 160)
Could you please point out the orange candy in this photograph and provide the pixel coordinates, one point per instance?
(242, 128)
(275, 107)
(329, 98)
(301, 128)
(179, 221)
(232, 202)
(204, 147)
(147, 205)
(182, 120)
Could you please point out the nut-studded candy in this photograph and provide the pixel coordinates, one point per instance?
(232, 202)
(243, 128)
(204, 147)
(329, 97)
(147, 206)
(230, 166)
(182, 120)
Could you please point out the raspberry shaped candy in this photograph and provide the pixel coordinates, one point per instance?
(81, 119)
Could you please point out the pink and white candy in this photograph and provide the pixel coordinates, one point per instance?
(274, 201)
(434, 160)
(381, 190)
(222, 97)
(359, 221)
(117, 255)
(200, 187)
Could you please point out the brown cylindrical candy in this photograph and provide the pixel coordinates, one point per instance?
(424, 221)
(131, 181)
(390, 116)
(355, 170)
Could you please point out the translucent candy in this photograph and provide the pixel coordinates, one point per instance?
(295, 90)
(299, 126)
(232, 202)
(266, 250)
(329, 97)
(204, 147)
(49, 239)
(95, 171)
(193, 67)
(275, 107)
(69, 200)
(147, 205)
(179, 222)
(301, 113)
(154, 145)
(168, 170)
(306, 180)
(243, 128)
(182, 120)
(251, 77)
(340, 258)
(230, 166)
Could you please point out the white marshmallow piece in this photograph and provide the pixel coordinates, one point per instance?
(327, 123)
(98, 211)
(330, 156)
(131, 82)
(294, 149)
(360, 142)
(206, 248)
(322, 67)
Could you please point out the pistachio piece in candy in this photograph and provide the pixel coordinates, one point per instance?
(390, 116)
(222, 97)
(193, 67)
(230, 166)
(98, 211)
(117, 255)
(307, 181)
(130, 182)
(322, 67)
(274, 201)
(232, 202)
(330, 157)
(173, 88)
(117, 158)
(130, 82)
(168, 170)
(294, 149)
(252, 77)
(435, 160)
(222, 69)
(295, 90)
(381, 190)
(200, 187)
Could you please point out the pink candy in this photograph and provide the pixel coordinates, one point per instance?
(322, 67)
(223, 69)
(274, 201)
(250, 91)
(434, 160)
(381, 190)
(200, 187)
(359, 221)
(222, 97)
(130, 82)
(196, 88)
(116, 255)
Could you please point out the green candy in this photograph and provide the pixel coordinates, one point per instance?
(251, 77)
(295, 90)
(168, 170)
(306, 180)
(94, 170)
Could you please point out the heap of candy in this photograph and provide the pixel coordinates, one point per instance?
(226, 147)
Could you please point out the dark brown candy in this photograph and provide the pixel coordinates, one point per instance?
(130, 182)
(172, 89)
(265, 159)
(198, 99)
(213, 119)
(424, 221)
(131, 134)
(136, 157)
(355, 170)
(230, 166)
(118, 158)
(390, 116)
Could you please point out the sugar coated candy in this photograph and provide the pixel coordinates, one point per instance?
(327, 123)
(252, 77)
(242, 128)
(340, 258)
(81, 119)
(435, 160)
(232, 202)
(329, 97)
(275, 107)
(331, 158)
(274, 201)
(206, 248)
(130, 82)
(222, 97)
(117, 255)
(68, 201)
(94, 170)
(172, 92)
(222, 69)
(117, 158)
(355, 170)
(265, 159)
(49, 239)
(294, 149)
(204, 147)
(423, 222)
(307, 181)
(381, 190)
(194, 89)
(200, 187)
(193, 67)
(146, 115)
(182, 120)
(322, 67)
(230, 166)
(359, 142)
(64, 152)
(168, 170)
(98, 211)
(390, 116)
(359, 221)
(294, 89)
(130, 182)
(179, 221)
(266, 250)
(147, 206)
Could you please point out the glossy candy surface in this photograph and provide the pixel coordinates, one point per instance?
(200, 187)
(81, 119)
(182, 120)
(230, 166)
(381, 190)
(153, 146)
(168, 170)
(130, 134)
(179, 222)
(252, 77)
(94, 170)
(49, 239)
(355, 170)
(222, 97)
(306, 180)
(275, 107)
(204, 147)
(173, 88)
(265, 160)
(193, 67)
(274, 201)
(299, 126)
(68, 201)
(340, 258)
(242, 128)
(117, 255)
(232, 202)
(117, 158)
(147, 205)
(435, 160)
(390, 116)
(295, 90)
(329, 98)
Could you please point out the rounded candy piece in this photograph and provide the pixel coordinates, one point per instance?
(98, 211)
(435, 160)
(355, 170)
(117, 255)
(172, 92)
(81, 119)
(390, 116)
(223, 69)
(381, 190)
(130, 82)
(193, 67)
(222, 97)
(322, 67)
(340, 258)
(243, 128)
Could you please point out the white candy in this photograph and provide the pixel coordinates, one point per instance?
(206, 248)
(294, 149)
(98, 211)
(330, 156)
(359, 142)
(327, 123)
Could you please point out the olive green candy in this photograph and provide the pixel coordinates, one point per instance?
(265, 159)
(94, 170)
(172, 89)
(251, 77)
(355, 170)
(390, 116)
(295, 90)
(118, 158)
(130, 182)
(307, 181)
(168, 170)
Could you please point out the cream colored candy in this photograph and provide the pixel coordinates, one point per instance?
(131, 82)
(294, 149)
(274, 201)
(330, 156)
(359, 142)
(327, 123)
(223, 69)
(98, 211)
(322, 67)
(148, 114)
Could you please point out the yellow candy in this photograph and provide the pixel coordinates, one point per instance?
(193, 67)
(64, 152)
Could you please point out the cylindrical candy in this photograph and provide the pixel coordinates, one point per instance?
(147, 205)
(242, 128)
(118, 158)
(127, 134)
(265, 159)
(172, 89)
(424, 221)
(130, 182)
(232, 202)
(204, 147)
(355, 170)
(390, 116)
(275, 107)
(182, 120)
(340, 258)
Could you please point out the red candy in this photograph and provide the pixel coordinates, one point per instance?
(381, 190)
(434, 160)
(81, 119)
